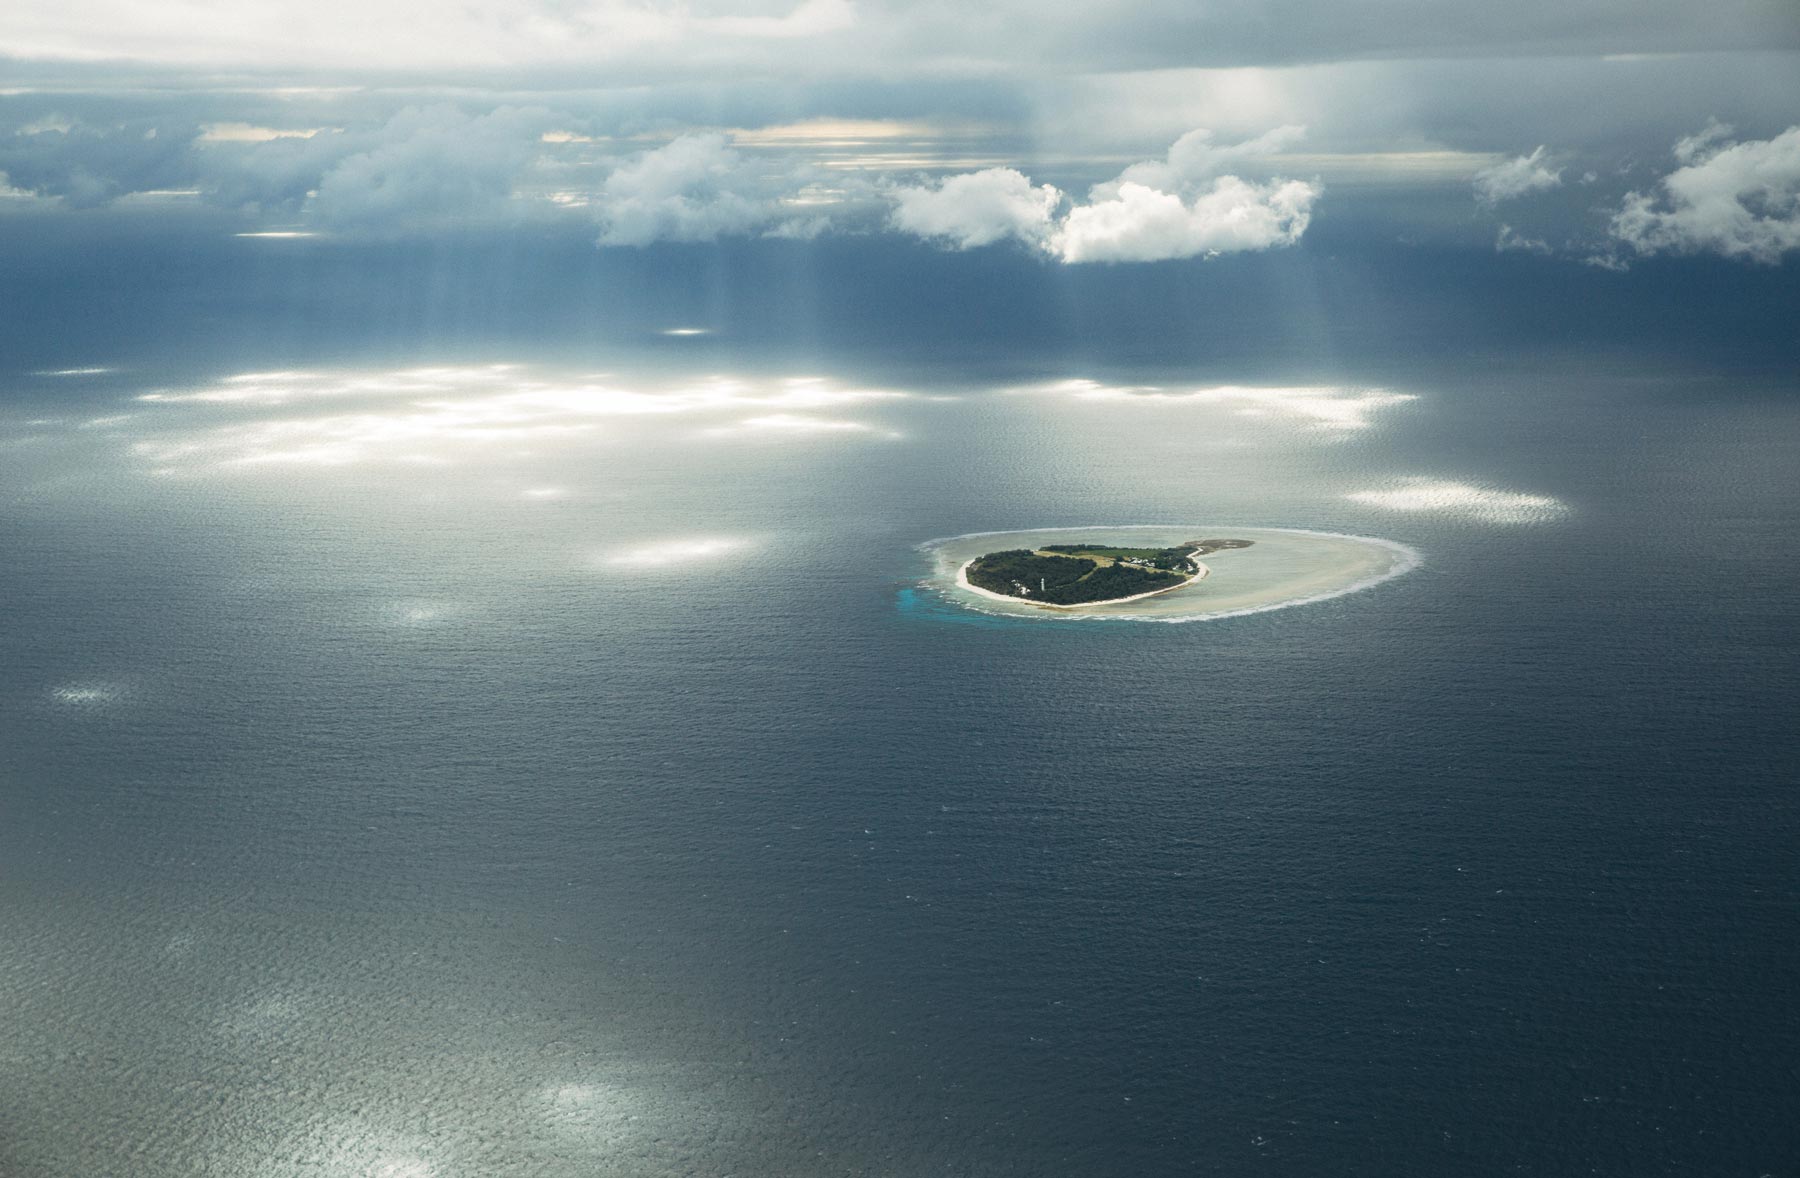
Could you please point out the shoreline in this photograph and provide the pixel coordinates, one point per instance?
(962, 582)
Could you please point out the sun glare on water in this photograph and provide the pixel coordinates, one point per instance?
(666, 553)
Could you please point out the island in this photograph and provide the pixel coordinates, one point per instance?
(1149, 572)
(1067, 576)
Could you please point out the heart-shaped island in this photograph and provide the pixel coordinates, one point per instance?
(1070, 576)
(1156, 573)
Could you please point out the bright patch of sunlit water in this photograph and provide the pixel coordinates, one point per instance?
(495, 770)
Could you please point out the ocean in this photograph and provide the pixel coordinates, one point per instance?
(506, 755)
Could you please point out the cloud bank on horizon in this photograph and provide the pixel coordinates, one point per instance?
(970, 127)
(659, 40)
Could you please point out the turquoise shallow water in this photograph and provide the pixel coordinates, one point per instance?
(489, 779)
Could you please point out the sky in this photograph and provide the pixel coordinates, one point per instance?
(1600, 134)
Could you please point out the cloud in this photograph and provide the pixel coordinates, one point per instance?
(636, 38)
(1701, 144)
(433, 165)
(87, 164)
(695, 188)
(817, 156)
(278, 174)
(426, 167)
(422, 167)
(811, 19)
(977, 208)
(1738, 200)
(1160, 209)
(819, 151)
(1142, 224)
(413, 34)
(1510, 241)
(1517, 177)
(1195, 157)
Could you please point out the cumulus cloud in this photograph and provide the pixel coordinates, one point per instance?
(422, 167)
(1195, 157)
(977, 208)
(1739, 200)
(278, 174)
(695, 188)
(1690, 148)
(1142, 224)
(432, 165)
(1516, 177)
(1509, 240)
(425, 167)
(1176, 207)
(87, 164)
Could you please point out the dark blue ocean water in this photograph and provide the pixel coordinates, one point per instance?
(369, 813)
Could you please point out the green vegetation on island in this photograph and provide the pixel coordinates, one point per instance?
(1090, 574)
